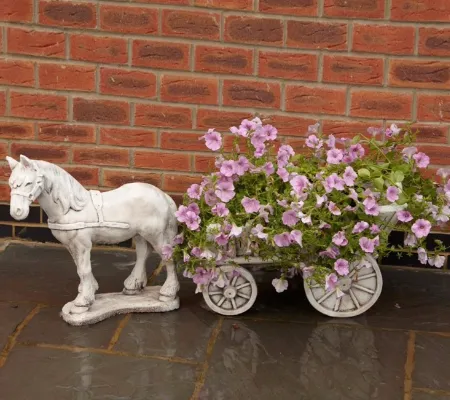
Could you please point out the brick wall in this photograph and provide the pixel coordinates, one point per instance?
(121, 91)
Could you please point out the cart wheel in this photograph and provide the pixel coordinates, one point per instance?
(361, 288)
(235, 298)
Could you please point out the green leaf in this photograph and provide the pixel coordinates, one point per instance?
(399, 176)
(401, 199)
(379, 183)
(364, 173)
(356, 139)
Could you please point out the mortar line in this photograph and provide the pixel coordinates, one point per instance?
(203, 368)
(120, 327)
(431, 391)
(12, 339)
(78, 349)
(409, 366)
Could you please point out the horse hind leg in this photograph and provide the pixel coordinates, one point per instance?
(138, 277)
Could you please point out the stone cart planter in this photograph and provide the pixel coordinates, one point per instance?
(361, 287)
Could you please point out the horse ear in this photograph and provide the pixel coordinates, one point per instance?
(26, 162)
(12, 163)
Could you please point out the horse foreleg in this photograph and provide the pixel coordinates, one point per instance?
(81, 254)
(171, 286)
(138, 277)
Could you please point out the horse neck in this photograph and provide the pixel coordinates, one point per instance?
(53, 210)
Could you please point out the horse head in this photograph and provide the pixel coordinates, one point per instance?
(26, 183)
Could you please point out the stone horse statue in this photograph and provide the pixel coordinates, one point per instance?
(78, 218)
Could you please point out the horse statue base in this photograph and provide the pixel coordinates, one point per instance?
(79, 218)
(107, 305)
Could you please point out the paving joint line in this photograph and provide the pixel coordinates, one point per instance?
(437, 392)
(409, 366)
(203, 368)
(12, 339)
(120, 327)
(95, 350)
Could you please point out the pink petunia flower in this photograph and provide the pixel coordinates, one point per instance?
(374, 229)
(290, 218)
(339, 239)
(225, 190)
(330, 252)
(213, 140)
(421, 228)
(202, 276)
(331, 142)
(270, 131)
(341, 266)
(283, 174)
(404, 216)
(410, 240)
(221, 239)
(333, 208)
(408, 152)
(280, 285)
(356, 151)
(282, 240)
(192, 221)
(167, 252)
(334, 156)
(195, 191)
(367, 245)
(235, 231)
(211, 198)
(349, 176)
(241, 166)
(314, 142)
(422, 160)
(437, 261)
(250, 205)
(333, 182)
(392, 193)
(268, 168)
(258, 232)
(228, 168)
(320, 200)
(299, 183)
(297, 237)
(331, 281)
(422, 255)
(221, 210)
(360, 227)
(371, 207)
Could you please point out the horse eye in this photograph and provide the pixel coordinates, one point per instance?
(28, 184)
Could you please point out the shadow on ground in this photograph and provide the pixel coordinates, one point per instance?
(281, 349)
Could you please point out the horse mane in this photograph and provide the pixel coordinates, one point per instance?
(63, 187)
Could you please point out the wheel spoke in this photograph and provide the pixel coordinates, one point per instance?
(354, 299)
(233, 282)
(367, 276)
(337, 304)
(362, 288)
(243, 295)
(214, 293)
(325, 296)
(243, 285)
(221, 301)
(233, 303)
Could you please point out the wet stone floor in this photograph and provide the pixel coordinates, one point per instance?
(281, 349)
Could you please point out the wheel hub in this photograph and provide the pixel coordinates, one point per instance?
(230, 292)
(345, 284)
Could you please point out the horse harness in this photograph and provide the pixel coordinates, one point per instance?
(97, 201)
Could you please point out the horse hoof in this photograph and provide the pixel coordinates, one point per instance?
(165, 299)
(131, 292)
(79, 310)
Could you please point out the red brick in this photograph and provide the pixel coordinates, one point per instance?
(212, 118)
(347, 129)
(229, 60)
(432, 107)
(421, 10)
(101, 156)
(251, 94)
(101, 111)
(128, 137)
(66, 77)
(317, 35)
(165, 55)
(317, 100)
(182, 141)
(3, 150)
(87, 176)
(434, 42)
(289, 7)
(129, 19)
(204, 164)
(234, 5)
(15, 72)
(117, 178)
(67, 13)
(161, 116)
(428, 133)
(164, 161)
(2, 103)
(382, 104)
(355, 70)
(16, 130)
(265, 31)
(16, 11)
(191, 24)
(4, 192)
(287, 125)
(189, 90)
(66, 133)
(179, 183)
(98, 49)
(38, 106)
(44, 151)
(5, 171)
(386, 39)
(127, 83)
(176, 2)
(36, 43)
(287, 65)
(419, 74)
(354, 8)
